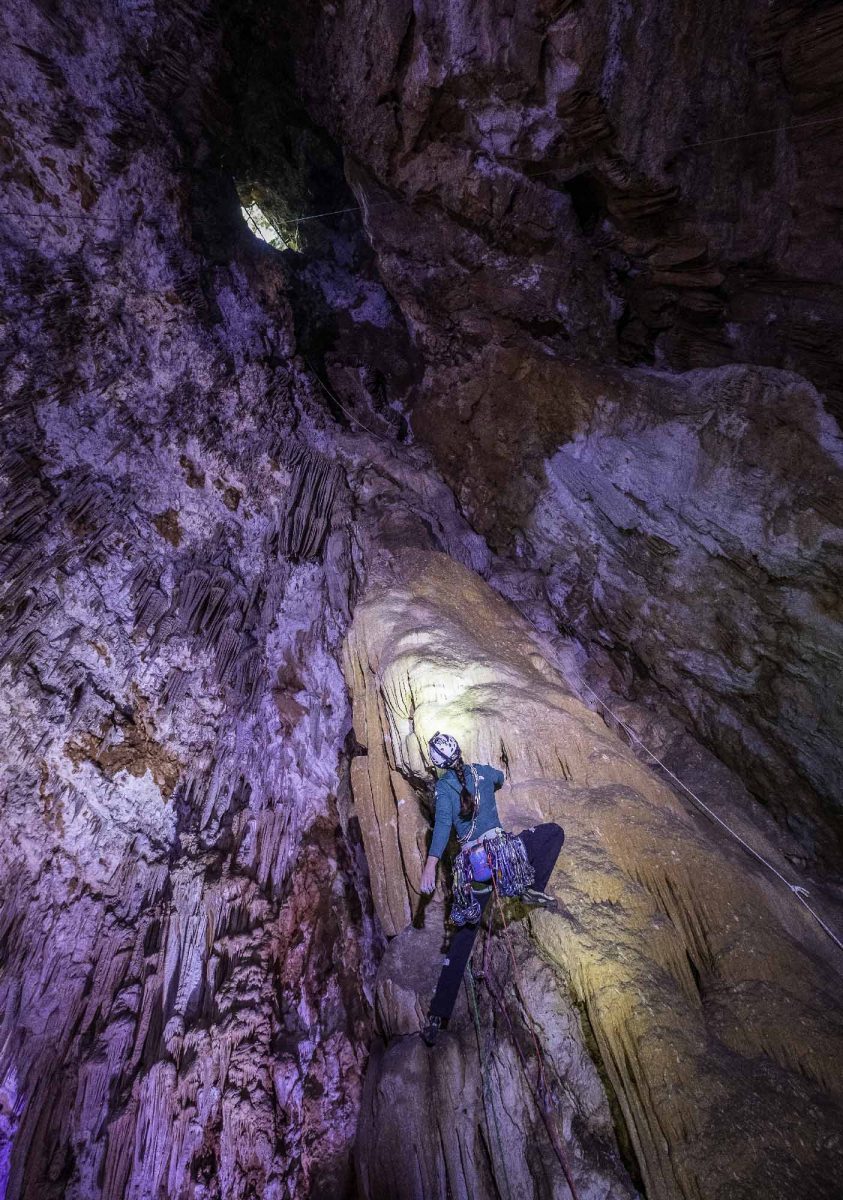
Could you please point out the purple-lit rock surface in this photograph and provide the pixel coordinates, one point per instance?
(188, 942)
(266, 522)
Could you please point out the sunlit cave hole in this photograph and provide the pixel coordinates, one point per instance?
(265, 222)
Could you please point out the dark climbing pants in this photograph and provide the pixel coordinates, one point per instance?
(543, 844)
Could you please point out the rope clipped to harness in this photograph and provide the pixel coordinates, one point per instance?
(488, 1099)
(499, 859)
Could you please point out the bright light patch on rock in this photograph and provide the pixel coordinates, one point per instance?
(671, 954)
(264, 228)
(226, 474)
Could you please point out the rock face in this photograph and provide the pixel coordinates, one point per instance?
(561, 197)
(588, 170)
(259, 513)
(690, 527)
(680, 956)
(185, 930)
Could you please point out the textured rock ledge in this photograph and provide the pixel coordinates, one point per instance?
(187, 941)
(706, 997)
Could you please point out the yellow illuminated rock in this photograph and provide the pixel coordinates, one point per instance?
(689, 981)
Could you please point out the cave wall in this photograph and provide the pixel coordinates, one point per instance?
(672, 951)
(187, 939)
(182, 1013)
(582, 240)
(582, 165)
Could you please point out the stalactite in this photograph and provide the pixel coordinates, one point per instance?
(187, 933)
(314, 484)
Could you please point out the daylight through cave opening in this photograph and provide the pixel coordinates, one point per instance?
(283, 238)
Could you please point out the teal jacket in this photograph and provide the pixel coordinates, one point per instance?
(448, 805)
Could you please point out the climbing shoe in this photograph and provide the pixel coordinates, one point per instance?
(430, 1029)
(539, 899)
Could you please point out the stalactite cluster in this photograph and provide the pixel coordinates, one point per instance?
(682, 956)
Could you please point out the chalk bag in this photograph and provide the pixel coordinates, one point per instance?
(481, 872)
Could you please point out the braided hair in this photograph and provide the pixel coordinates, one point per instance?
(467, 801)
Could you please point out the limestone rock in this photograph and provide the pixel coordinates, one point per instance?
(689, 507)
(568, 203)
(579, 178)
(682, 957)
(185, 931)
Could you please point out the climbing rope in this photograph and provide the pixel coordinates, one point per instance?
(499, 1000)
(798, 891)
(735, 137)
(487, 1085)
(541, 1093)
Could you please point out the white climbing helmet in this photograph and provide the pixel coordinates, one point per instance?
(444, 750)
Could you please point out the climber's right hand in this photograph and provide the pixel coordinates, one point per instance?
(428, 879)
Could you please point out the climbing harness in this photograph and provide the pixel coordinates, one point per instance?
(504, 864)
(497, 857)
(798, 891)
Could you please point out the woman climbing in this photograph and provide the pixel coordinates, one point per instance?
(489, 859)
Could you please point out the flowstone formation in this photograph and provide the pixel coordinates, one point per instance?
(690, 978)
(267, 521)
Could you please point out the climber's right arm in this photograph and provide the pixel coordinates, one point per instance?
(428, 879)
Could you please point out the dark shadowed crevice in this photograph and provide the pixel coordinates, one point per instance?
(624, 1141)
(588, 201)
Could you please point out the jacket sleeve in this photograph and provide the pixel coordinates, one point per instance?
(442, 824)
(498, 778)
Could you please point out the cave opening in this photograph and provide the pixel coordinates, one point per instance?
(285, 166)
(291, 179)
(285, 237)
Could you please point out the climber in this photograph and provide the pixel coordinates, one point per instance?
(489, 859)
